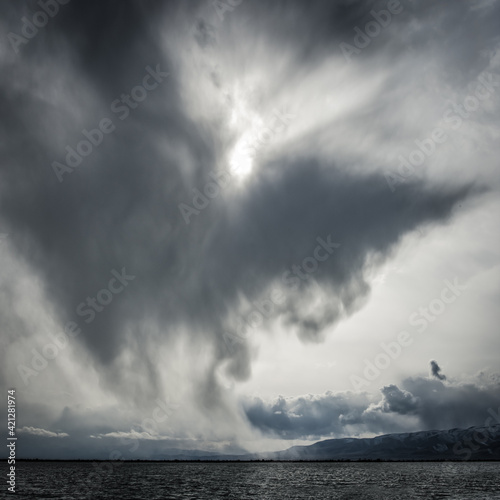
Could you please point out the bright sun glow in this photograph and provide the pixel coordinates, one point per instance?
(241, 160)
(247, 123)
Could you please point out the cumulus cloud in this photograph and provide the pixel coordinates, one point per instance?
(420, 404)
(395, 400)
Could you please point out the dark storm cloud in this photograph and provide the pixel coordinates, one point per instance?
(119, 209)
(422, 404)
(307, 416)
(443, 406)
(436, 371)
(288, 209)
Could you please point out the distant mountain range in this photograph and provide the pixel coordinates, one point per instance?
(474, 443)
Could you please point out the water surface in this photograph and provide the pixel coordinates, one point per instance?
(240, 481)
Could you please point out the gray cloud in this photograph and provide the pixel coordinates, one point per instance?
(397, 401)
(421, 403)
(120, 207)
(436, 370)
(41, 432)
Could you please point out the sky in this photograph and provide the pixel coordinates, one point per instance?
(238, 226)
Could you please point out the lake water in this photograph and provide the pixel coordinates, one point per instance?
(239, 481)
